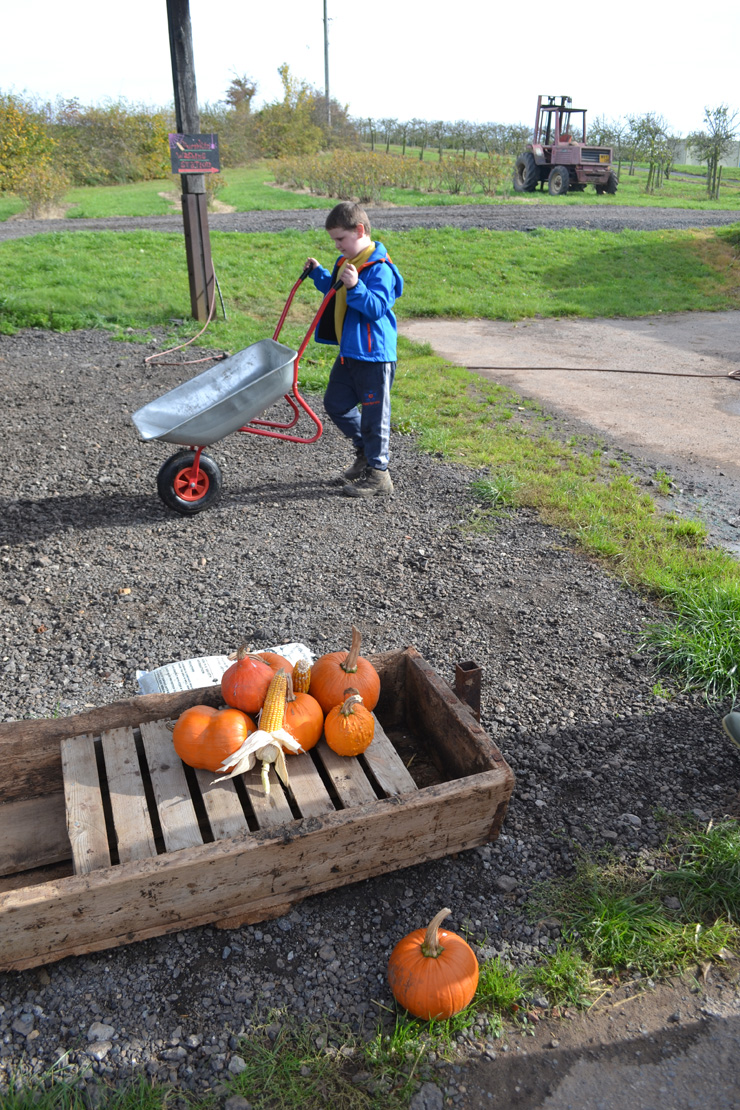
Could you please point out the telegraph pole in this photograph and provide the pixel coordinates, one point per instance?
(326, 68)
(194, 206)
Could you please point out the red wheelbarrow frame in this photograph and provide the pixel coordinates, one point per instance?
(194, 487)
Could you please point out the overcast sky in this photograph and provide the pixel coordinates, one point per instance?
(464, 60)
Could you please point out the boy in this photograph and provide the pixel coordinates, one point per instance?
(360, 321)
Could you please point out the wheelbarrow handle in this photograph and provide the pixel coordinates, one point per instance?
(307, 270)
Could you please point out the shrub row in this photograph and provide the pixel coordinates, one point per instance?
(346, 174)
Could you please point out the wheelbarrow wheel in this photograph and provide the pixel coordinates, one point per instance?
(180, 492)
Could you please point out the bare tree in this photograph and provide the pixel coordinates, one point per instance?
(713, 143)
(241, 92)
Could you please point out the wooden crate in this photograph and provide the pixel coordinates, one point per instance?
(105, 838)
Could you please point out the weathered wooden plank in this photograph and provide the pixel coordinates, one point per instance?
(84, 804)
(446, 724)
(389, 770)
(30, 764)
(175, 807)
(270, 809)
(349, 780)
(134, 833)
(223, 807)
(312, 797)
(33, 833)
(251, 874)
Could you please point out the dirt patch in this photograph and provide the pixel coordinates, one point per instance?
(215, 204)
(626, 1053)
(49, 212)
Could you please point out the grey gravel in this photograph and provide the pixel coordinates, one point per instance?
(567, 696)
(524, 216)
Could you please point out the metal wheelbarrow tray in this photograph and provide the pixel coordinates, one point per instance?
(105, 838)
(222, 399)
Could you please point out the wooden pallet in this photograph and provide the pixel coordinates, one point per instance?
(106, 839)
(128, 797)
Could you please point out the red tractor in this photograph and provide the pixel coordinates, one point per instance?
(559, 154)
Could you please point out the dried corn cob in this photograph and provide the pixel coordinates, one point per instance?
(273, 709)
(301, 676)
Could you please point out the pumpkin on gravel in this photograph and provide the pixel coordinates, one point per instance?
(433, 973)
(332, 673)
(205, 737)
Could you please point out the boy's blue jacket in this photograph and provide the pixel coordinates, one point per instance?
(369, 329)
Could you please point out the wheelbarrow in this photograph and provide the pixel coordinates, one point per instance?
(228, 397)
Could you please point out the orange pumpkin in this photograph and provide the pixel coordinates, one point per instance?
(349, 728)
(275, 661)
(433, 973)
(204, 737)
(303, 719)
(332, 673)
(244, 685)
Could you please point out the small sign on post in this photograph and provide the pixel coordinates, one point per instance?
(194, 153)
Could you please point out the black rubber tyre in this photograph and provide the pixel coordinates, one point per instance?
(558, 181)
(175, 488)
(526, 173)
(612, 184)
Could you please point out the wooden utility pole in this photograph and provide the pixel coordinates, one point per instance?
(194, 206)
(326, 68)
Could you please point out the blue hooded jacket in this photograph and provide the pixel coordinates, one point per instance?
(369, 328)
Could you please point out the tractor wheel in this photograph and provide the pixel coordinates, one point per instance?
(558, 181)
(526, 174)
(611, 186)
(177, 489)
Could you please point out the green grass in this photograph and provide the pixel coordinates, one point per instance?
(67, 279)
(141, 199)
(618, 918)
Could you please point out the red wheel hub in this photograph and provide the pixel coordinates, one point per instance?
(189, 486)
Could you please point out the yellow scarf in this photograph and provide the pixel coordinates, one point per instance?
(340, 297)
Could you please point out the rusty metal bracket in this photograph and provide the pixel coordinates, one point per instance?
(468, 685)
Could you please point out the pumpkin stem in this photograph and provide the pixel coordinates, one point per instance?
(244, 653)
(430, 945)
(289, 691)
(350, 663)
(347, 706)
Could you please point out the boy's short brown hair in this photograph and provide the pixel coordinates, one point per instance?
(347, 215)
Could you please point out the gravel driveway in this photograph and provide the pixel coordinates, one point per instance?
(523, 216)
(567, 697)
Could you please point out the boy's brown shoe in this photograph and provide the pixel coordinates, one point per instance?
(374, 483)
(356, 470)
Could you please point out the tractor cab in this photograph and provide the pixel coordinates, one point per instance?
(557, 122)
